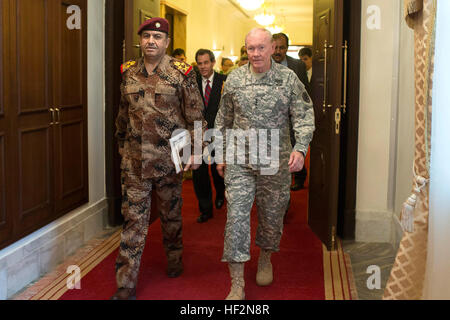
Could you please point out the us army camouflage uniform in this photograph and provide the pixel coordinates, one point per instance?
(152, 107)
(266, 103)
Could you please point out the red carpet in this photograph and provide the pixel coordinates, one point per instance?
(298, 268)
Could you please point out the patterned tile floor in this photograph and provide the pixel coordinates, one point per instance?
(364, 255)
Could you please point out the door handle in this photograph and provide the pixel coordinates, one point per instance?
(53, 116)
(344, 105)
(325, 77)
(59, 116)
(337, 119)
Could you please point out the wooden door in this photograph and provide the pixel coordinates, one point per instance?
(32, 133)
(5, 212)
(327, 96)
(43, 129)
(136, 12)
(70, 96)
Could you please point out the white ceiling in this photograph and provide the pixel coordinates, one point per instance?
(286, 11)
(295, 15)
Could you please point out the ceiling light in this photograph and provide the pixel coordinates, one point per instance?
(265, 19)
(251, 5)
(217, 53)
(275, 29)
(233, 58)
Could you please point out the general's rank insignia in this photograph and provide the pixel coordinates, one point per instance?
(183, 67)
(126, 66)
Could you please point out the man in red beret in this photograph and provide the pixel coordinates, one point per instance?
(159, 95)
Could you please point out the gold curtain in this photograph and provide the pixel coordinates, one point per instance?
(408, 274)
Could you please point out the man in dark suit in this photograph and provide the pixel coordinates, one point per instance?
(305, 55)
(210, 84)
(280, 56)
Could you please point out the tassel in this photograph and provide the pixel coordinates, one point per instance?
(409, 207)
(407, 218)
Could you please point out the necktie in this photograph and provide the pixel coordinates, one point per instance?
(207, 93)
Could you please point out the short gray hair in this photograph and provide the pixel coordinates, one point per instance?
(255, 30)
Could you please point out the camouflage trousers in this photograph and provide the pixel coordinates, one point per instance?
(272, 197)
(136, 204)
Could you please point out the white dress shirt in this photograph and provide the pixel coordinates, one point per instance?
(205, 82)
(309, 74)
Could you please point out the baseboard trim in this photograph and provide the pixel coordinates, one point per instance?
(373, 226)
(28, 259)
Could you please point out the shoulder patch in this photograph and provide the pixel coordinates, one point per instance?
(126, 66)
(184, 68)
(306, 97)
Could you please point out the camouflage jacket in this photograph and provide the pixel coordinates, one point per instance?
(276, 101)
(152, 107)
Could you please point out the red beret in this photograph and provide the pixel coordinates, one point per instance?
(155, 24)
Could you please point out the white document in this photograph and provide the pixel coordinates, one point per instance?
(177, 144)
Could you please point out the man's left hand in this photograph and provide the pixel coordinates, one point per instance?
(191, 165)
(296, 162)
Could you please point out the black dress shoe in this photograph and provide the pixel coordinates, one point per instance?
(204, 217)
(124, 294)
(297, 187)
(219, 203)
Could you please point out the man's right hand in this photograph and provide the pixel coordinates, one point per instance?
(221, 170)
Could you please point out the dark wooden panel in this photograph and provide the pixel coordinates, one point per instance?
(32, 54)
(1, 60)
(2, 181)
(325, 147)
(72, 158)
(7, 179)
(34, 164)
(70, 95)
(30, 147)
(114, 35)
(71, 63)
(349, 160)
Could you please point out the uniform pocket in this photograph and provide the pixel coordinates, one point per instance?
(133, 93)
(166, 97)
(166, 90)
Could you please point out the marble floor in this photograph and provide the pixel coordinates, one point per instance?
(365, 255)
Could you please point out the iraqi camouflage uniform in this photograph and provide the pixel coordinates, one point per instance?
(152, 108)
(265, 103)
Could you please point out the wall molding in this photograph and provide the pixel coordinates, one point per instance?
(32, 257)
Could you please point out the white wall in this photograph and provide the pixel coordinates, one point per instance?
(96, 100)
(386, 135)
(378, 103)
(405, 118)
(437, 283)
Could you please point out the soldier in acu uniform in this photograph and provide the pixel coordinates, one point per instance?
(261, 95)
(159, 96)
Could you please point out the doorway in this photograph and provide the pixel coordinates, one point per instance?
(177, 18)
(338, 218)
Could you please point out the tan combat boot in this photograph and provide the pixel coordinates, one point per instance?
(237, 281)
(264, 277)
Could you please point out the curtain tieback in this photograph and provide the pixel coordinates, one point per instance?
(407, 216)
